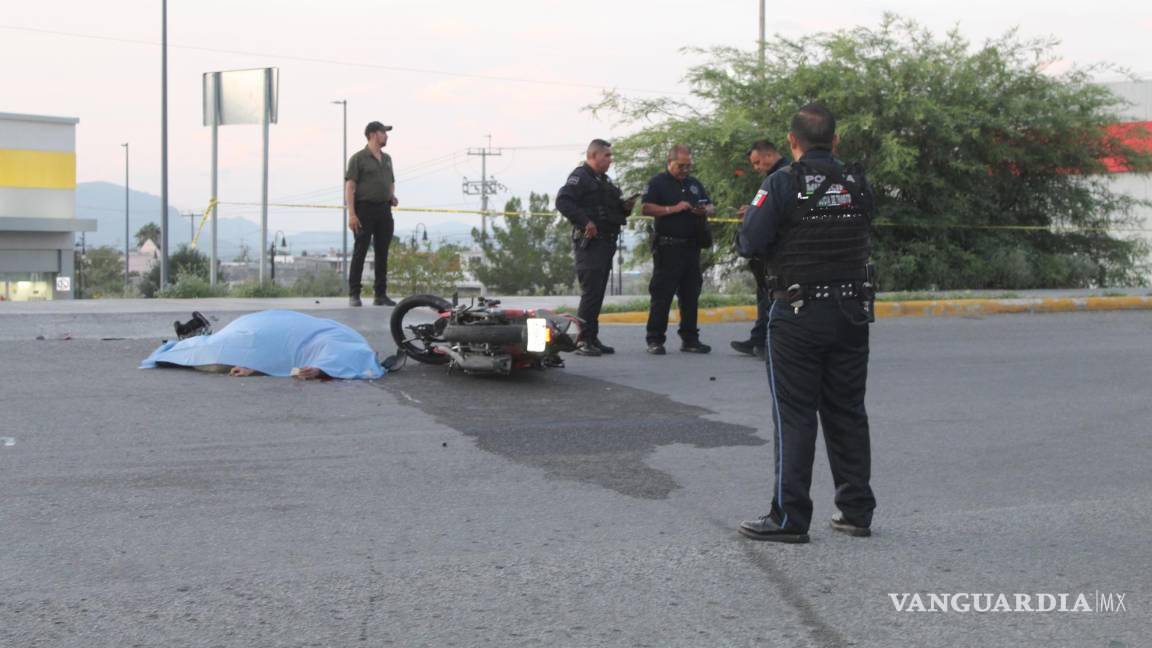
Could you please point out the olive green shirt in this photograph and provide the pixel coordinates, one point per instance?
(374, 180)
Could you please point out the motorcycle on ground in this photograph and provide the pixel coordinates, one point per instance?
(481, 337)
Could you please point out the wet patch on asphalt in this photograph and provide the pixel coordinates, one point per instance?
(574, 427)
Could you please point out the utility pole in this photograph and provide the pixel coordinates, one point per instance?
(484, 187)
(191, 227)
(164, 144)
(762, 43)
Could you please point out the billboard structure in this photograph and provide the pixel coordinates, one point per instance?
(242, 97)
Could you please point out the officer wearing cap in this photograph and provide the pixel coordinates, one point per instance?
(597, 210)
(370, 193)
(680, 206)
(810, 222)
(765, 159)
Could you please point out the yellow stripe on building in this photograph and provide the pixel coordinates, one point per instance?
(37, 169)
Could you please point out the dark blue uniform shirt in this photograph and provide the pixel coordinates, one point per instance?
(777, 198)
(666, 190)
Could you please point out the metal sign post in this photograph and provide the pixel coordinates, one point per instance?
(242, 97)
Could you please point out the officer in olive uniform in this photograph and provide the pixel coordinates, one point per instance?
(810, 222)
(370, 193)
(597, 211)
(680, 207)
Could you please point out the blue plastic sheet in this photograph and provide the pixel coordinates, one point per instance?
(274, 342)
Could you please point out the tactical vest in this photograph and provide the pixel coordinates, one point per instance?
(826, 238)
(609, 205)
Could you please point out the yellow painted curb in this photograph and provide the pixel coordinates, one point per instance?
(934, 308)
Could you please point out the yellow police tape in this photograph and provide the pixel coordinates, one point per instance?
(204, 219)
(878, 223)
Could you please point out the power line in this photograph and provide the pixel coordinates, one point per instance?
(376, 66)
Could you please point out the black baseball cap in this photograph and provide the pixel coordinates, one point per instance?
(372, 127)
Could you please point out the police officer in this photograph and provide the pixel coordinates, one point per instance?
(680, 206)
(596, 208)
(765, 159)
(810, 221)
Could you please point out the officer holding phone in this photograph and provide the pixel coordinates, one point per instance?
(681, 207)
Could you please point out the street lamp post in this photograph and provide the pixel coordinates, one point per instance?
(127, 229)
(343, 196)
(272, 250)
(417, 229)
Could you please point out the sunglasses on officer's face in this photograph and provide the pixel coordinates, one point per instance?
(682, 166)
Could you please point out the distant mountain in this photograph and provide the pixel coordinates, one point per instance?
(104, 203)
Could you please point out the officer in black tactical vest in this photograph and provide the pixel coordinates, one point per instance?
(597, 210)
(810, 223)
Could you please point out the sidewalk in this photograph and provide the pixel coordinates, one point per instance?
(138, 318)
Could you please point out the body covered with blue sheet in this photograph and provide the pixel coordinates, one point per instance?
(274, 343)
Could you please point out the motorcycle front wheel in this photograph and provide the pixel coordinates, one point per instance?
(417, 325)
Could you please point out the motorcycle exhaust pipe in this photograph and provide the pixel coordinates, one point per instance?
(486, 334)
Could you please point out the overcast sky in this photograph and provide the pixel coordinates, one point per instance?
(100, 62)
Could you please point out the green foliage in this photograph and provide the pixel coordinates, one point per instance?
(253, 290)
(191, 286)
(325, 282)
(185, 261)
(530, 254)
(148, 232)
(415, 268)
(100, 273)
(958, 140)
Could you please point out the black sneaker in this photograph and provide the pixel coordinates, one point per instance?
(841, 524)
(355, 301)
(744, 346)
(383, 300)
(589, 349)
(695, 346)
(760, 352)
(765, 529)
(655, 348)
(604, 348)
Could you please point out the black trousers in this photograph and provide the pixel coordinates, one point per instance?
(675, 273)
(593, 266)
(763, 301)
(818, 367)
(376, 228)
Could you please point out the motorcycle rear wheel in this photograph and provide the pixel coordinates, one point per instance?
(417, 339)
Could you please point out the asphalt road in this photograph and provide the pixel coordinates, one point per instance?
(590, 506)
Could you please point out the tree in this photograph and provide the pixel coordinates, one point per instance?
(415, 268)
(988, 168)
(530, 255)
(103, 272)
(185, 261)
(149, 232)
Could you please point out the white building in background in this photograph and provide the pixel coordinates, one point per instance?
(1139, 94)
(38, 221)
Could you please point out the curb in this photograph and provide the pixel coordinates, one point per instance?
(942, 308)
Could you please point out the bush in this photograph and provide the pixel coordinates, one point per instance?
(323, 283)
(253, 290)
(189, 286)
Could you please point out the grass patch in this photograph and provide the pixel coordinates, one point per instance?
(937, 296)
